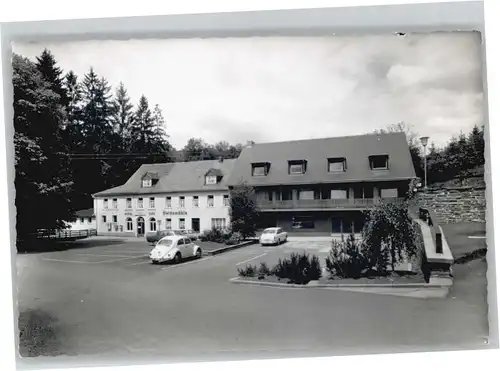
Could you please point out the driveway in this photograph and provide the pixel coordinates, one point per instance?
(108, 302)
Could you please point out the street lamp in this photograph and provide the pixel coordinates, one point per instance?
(424, 141)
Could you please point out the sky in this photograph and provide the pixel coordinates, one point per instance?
(268, 89)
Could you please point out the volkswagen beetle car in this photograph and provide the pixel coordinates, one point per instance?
(273, 236)
(174, 248)
(154, 237)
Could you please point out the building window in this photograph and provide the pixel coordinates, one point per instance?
(151, 202)
(210, 201)
(168, 202)
(260, 169)
(168, 223)
(380, 162)
(105, 203)
(115, 203)
(152, 224)
(211, 179)
(219, 223)
(337, 164)
(306, 195)
(140, 203)
(129, 224)
(147, 183)
(338, 194)
(389, 193)
(81, 220)
(129, 203)
(104, 218)
(195, 201)
(182, 202)
(89, 220)
(226, 200)
(115, 218)
(296, 167)
(182, 223)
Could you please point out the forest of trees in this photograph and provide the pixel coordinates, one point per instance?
(75, 136)
(461, 157)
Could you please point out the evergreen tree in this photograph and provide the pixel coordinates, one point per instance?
(73, 135)
(160, 145)
(51, 73)
(92, 173)
(43, 182)
(122, 114)
(143, 128)
(475, 142)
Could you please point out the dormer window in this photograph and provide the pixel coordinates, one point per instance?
(260, 169)
(337, 164)
(213, 176)
(379, 162)
(149, 180)
(297, 167)
(210, 179)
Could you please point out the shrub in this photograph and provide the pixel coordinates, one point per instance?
(234, 239)
(248, 271)
(264, 269)
(346, 259)
(216, 235)
(298, 268)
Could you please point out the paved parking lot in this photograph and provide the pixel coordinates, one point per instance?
(105, 298)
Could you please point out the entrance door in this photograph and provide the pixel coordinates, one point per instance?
(195, 224)
(140, 226)
(336, 225)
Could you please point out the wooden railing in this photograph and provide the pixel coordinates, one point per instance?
(66, 234)
(325, 203)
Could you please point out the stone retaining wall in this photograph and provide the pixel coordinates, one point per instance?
(455, 205)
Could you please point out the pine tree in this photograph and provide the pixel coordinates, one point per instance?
(51, 73)
(122, 114)
(91, 173)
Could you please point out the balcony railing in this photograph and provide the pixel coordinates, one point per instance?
(325, 204)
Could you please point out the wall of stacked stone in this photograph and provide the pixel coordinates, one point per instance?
(455, 205)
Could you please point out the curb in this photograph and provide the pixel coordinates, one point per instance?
(315, 284)
(228, 248)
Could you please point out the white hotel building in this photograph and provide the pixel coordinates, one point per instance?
(182, 195)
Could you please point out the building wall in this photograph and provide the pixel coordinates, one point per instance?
(455, 205)
(160, 212)
(83, 224)
(323, 221)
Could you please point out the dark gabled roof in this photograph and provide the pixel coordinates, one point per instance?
(174, 177)
(356, 150)
(87, 213)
